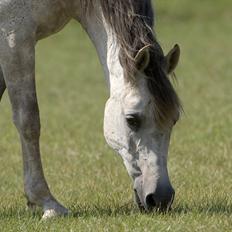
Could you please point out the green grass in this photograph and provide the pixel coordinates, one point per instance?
(86, 175)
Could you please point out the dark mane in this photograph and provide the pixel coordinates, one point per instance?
(132, 22)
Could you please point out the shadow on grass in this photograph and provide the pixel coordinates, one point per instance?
(106, 210)
(214, 207)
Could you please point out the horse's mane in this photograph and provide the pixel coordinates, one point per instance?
(132, 22)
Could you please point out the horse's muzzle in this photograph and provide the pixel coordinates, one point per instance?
(160, 197)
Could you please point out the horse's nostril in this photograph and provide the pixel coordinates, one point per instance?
(150, 201)
(160, 202)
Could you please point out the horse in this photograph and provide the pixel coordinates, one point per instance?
(142, 107)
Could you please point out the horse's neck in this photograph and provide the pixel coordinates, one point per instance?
(108, 51)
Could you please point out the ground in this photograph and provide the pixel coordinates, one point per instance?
(86, 175)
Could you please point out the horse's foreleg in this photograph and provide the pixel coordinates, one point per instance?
(20, 81)
(2, 84)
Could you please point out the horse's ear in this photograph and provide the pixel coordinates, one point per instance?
(142, 58)
(172, 58)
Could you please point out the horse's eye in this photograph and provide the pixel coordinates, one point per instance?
(133, 121)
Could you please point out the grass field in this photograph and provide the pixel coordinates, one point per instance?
(86, 175)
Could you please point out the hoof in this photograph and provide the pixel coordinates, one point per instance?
(59, 210)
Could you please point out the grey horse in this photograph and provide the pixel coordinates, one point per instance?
(142, 107)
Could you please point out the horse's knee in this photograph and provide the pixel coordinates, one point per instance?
(27, 122)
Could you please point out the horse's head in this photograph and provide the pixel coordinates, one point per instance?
(138, 124)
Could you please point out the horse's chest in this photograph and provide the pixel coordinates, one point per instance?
(50, 16)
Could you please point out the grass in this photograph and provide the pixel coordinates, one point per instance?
(86, 175)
